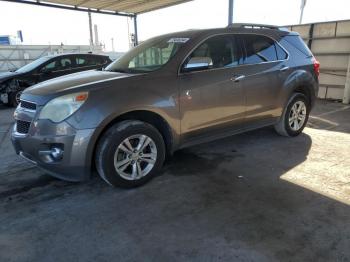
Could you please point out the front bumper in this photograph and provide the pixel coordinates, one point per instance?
(44, 136)
(4, 98)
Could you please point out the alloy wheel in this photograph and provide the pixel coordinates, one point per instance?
(135, 157)
(18, 97)
(297, 115)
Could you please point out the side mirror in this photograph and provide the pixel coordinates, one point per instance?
(198, 63)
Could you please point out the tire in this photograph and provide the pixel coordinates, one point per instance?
(113, 150)
(284, 127)
(14, 98)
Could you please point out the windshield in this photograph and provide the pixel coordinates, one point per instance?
(149, 56)
(32, 65)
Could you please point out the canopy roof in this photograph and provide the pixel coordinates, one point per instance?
(128, 7)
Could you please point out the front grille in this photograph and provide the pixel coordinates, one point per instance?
(22, 126)
(28, 105)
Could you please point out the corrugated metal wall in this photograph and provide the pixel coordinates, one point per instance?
(330, 43)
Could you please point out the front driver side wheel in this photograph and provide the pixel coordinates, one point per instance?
(14, 98)
(294, 117)
(130, 153)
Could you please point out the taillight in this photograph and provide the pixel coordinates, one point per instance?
(316, 67)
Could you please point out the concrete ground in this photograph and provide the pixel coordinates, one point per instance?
(252, 197)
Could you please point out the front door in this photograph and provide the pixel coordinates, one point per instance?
(211, 101)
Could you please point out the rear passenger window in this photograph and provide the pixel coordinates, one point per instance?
(80, 61)
(259, 49)
(91, 61)
(87, 61)
(101, 60)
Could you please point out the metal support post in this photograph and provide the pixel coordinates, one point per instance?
(230, 11)
(346, 98)
(91, 35)
(135, 31)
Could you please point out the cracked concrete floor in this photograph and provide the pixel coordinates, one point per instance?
(251, 197)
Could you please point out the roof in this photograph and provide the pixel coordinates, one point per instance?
(69, 54)
(114, 6)
(192, 33)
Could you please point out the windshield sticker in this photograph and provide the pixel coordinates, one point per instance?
(178, 40)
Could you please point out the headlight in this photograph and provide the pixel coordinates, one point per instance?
(62, 107)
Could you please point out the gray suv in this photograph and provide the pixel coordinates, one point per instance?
(170, 92)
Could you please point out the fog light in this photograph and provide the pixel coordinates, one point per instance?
(54, 154)
(57, 153)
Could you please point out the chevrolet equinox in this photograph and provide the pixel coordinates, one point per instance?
(170, 92)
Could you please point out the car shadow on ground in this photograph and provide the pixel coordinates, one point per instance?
(217, 201)
(221, 201)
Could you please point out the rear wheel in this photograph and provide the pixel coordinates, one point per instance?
(294, 117)
(130, 153)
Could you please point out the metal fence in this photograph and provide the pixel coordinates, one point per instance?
(15, 56)
(330, 43)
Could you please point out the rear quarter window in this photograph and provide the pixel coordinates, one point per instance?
(298, 43)
(281, 54)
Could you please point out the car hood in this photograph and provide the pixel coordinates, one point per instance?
(7, 75)
(44, 91)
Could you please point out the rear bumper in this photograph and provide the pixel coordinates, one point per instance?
(74, 163)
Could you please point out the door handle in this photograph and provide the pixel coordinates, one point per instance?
(237, 78)
(285, 68)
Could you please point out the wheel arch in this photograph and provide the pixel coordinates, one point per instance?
(301, 81)
(305, 90)
(147, 116)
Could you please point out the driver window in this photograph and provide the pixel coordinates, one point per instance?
(221, 50)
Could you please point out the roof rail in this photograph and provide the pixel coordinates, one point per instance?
(256, 26)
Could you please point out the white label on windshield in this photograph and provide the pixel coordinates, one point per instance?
(178, 40)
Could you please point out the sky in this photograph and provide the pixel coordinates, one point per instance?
(42, 25)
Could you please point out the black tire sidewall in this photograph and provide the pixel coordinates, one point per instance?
(12, 98)
(112, 139)
(297, 97)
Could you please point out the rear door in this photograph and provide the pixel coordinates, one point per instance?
(85, 62)
(261, 78)
(211, 103)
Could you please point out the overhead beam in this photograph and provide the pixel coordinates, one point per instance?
(69, 7)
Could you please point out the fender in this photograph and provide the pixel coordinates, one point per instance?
(299, 81)
(175, 137)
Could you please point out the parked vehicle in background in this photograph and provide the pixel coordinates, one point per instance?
(170, 92)
(13, 83)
